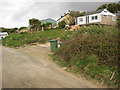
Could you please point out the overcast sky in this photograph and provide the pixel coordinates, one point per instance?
(16, 13)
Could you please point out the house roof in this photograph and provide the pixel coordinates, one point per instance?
(49, 20)
(94, 12)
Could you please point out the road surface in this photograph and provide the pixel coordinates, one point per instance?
(32, 67)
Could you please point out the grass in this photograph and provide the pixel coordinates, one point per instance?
(92, 51)
(22, 39)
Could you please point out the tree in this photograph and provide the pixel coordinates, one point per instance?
(112, 7)
(46, 26)
(15, 28)
(21, 28)
(102, 6)
(9, 30)
(76, 13)
(62, 24)
(35, 24)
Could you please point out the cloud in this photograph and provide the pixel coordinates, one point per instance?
(17, 14)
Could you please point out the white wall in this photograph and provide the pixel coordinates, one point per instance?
(83, 22)
(3, 34)
(90, 19)
(106, 12)
(95, 20)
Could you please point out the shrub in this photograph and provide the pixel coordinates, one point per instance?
(103, 43)
(94, 51)
(62, 24)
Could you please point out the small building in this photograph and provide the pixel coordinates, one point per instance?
(3, 34)
(102, 16)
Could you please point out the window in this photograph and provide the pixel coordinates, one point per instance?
(92, 17)
(96, 17)
(105, 15)
(113, 18)
(81, 19)
(105, 11)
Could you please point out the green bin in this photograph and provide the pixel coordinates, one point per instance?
(53, 45)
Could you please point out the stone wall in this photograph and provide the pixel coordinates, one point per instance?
(107, 20)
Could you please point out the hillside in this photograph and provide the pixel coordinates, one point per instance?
(92, 51)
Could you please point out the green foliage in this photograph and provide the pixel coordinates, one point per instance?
(21, 28)
(94, 51)
(103, 42)
(62, 24)
(48, 24)
(118, 23)
(112, 7)
(59, 61)
(24, 38)
(9, 30)
(35, 24)
(76, 13)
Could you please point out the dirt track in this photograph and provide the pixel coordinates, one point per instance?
(31, 67)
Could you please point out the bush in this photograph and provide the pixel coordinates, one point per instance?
(91, 50)
(62, 24)
(102, 42)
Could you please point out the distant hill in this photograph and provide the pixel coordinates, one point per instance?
(49, 20)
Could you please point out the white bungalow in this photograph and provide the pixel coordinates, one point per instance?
(3, 34)
(102, 16)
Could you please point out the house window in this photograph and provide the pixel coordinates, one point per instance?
(105, 15)
(92, 17)
(81, 19)
(105, 11)
(96, 17)
(113, 18)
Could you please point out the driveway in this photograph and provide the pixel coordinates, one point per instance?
(32, 67)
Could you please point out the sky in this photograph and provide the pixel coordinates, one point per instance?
(16, 13)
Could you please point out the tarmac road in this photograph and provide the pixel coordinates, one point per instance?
(32, 67)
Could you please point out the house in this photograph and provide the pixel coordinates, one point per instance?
(49, 20)
(68, 18)
(102, 16)
(3, 34)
